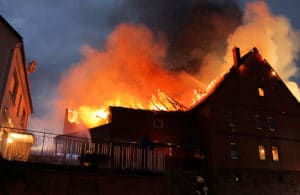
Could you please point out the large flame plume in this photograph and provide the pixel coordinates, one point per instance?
(126, 73)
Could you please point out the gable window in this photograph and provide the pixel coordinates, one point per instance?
(23, 117)
(234, 151)
(13, 89)
(261, 152)
(259, 122)
(19, 104)
(275, 155)
(271, 124)
(230, 118)
(158, 124)
(261, 92)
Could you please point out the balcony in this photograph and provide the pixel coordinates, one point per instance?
(52, 148)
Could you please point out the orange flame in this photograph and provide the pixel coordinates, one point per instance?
(127, 73)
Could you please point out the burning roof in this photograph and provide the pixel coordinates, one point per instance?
(162, 103)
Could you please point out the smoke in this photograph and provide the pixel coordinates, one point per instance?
(275, 38)
(194, 28)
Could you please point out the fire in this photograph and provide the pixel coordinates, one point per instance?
(129, 71)
(92, 116)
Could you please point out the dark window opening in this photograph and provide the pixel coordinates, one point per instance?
(280, 178)
(23, 118)
(231, 119)
(19, 105)
(234, 151)
(271, 124)
(158, 124)
(14, 87)
(259, 122)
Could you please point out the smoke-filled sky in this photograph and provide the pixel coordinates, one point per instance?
(55, 32)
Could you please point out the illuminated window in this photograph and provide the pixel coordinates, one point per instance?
(261, 92)
(275, 155)
(259, 122)
(261, 152)
(234, 151)
(231, 121)
(13, 89)
(158, 124)
(271, 124)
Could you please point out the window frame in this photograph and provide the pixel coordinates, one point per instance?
(231, 119)
(19, 105)
(234, 151)
(271, 124)
(158, 123)
(261, 92)
(23, 118)
(275, 153)
(14, 86)
(262, 152)
(259, 122)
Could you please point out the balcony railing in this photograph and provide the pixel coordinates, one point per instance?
(61, 149)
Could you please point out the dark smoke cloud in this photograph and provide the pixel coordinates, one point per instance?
(193, 28)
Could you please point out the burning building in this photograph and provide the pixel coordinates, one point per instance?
(242, 135)
(15, 97)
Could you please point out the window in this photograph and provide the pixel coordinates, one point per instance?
(271, 124)
(261, 152)
(158, 124)
(259, 122)
(19, 105)
(13, 89)
(261, 92)
(73, 116)
(230, 118)
(234, 151)
(23, 118)
(275, 155)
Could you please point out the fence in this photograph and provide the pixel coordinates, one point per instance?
(75, 151)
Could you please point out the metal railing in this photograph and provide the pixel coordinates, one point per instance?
(75, 151)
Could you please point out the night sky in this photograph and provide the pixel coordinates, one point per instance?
(54, 31)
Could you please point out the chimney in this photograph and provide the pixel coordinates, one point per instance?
(236, 57)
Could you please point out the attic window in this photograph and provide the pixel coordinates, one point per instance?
(231, 121)
(158, 124)
(14, 86)
(261, 92)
